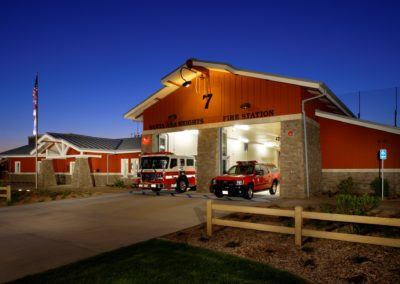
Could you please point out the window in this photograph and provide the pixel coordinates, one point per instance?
(241, 170)
(181, 162)
(163, 144)
(71, 167)
(190, 162)
(174, 163)
(17, 168)
(151, 163)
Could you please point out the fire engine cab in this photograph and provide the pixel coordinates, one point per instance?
(165, 170)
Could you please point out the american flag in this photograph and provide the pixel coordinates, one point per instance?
(35, 94)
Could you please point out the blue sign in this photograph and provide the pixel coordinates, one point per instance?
(383, 154)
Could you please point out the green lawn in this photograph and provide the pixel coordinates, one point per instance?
(158, 261)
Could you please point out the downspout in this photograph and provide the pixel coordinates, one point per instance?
(305, 138)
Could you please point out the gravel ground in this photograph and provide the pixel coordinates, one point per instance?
(319, 260)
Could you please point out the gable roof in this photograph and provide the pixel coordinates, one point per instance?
(359, 122)
(83, 143)
(20, 151)
(173, 81)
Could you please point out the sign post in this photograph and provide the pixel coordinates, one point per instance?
(382, 157)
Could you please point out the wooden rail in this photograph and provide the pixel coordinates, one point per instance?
(298, 229)
(7, 193)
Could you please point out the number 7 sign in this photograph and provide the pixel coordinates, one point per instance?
(208, 97)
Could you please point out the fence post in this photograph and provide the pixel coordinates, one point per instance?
(209, 218)
(298, 224)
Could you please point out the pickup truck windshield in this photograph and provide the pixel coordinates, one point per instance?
(241, 170)
(154, 163)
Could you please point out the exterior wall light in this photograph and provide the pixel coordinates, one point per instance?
(245, 106)
(241, 127)
(186, 83)
(269, 144)
(244, 140)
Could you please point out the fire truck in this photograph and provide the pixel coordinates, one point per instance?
(165, 170)
(246, 177)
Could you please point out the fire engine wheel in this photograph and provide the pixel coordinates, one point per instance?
(273, 188)
(248, 194)
(182, 185)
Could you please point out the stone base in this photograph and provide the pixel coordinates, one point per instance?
(46, 176)
(330, 181)
(207, 160)
(81, 177)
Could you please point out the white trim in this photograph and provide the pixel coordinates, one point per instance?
(270, 119)
(72, 156)
(360, 170)
(136, 112)
(354, 121)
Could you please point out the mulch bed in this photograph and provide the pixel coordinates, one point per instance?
(319, 260)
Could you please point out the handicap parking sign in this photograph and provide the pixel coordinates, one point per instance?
(382, 154)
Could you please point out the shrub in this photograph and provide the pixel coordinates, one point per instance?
(376, 186)
(119, 183)
(355, 205)
(347, 186)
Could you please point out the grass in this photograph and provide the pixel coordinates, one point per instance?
(159, 261)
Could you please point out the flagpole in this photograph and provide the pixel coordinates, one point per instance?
(36, 131)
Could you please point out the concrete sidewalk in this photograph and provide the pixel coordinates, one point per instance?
(37, 237)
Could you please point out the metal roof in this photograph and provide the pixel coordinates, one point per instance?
(84, 142)
(20, 151)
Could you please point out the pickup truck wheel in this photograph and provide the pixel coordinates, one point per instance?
(248, 194)
(218, 193)
(182, 184)
(273, 188)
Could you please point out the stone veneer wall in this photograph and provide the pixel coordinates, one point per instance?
(293, 181)
(292, 159)
(81, 177)
(46, 177)
(314, 157)
(208, 160)
(330, 180)
(22, 178)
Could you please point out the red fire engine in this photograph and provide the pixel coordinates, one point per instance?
(165, 170)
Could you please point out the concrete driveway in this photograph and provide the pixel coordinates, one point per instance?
(37, 237)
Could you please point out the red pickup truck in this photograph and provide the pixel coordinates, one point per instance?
(246, 177)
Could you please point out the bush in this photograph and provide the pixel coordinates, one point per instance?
(119, 183)
(376, 186)
(355, 205)
(347, 186)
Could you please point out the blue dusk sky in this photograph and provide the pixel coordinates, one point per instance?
(97, 59)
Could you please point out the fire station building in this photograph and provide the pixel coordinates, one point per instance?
(68, 158)
(222, 114)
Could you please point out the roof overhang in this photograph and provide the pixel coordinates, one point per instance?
(173, 81)
(359, 122)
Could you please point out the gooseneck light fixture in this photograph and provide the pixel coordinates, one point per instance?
(186, 83)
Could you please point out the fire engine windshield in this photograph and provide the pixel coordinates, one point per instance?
(241, 170)
(151, 163)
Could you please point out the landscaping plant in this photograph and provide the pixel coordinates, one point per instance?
(376, 186)
(347, 186)
(119, 183)
(355, 205)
